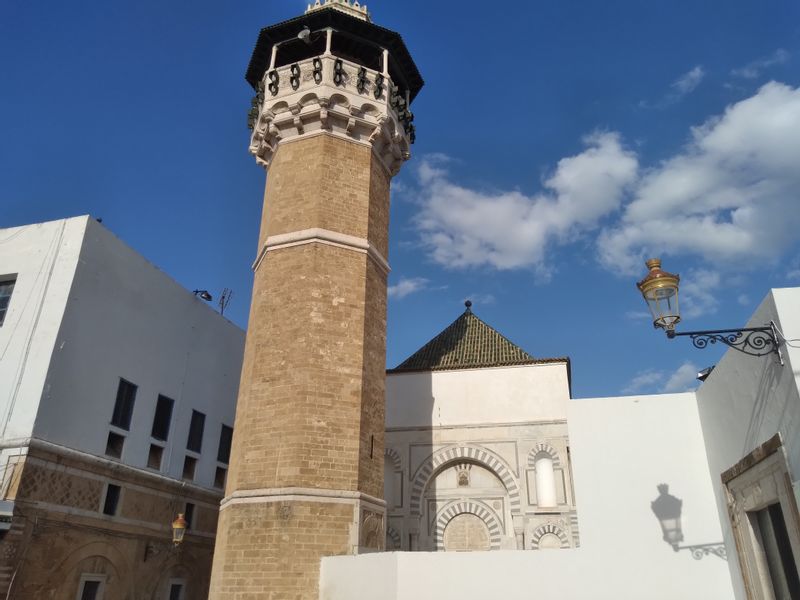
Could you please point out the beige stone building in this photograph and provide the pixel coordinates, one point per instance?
(117, 389)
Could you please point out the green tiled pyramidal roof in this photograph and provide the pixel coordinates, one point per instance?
(467, 343)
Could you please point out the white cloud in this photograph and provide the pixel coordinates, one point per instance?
(688, 82)
(465, 227)
(679, 89)
(643, 381)
(753, 69)
(684, 379)
(743, 300)
(730, 196)
(698, 293)
(407, 286)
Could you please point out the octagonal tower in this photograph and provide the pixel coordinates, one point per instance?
(332, 126)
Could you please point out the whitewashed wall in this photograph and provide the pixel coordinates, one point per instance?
(477, 396)
(622, 448)
(43, 257)
(126, 318)
(746, 400)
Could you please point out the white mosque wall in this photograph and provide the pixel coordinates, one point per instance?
(745, 401)
(622, 449)
(518, 394)
(42, 258)
(127, 319)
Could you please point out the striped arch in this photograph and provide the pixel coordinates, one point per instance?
(480, 510)
(392, 454)
(483, 456)
(544, 530)
(547, 449)
(393, 537)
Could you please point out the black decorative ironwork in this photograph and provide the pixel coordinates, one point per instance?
(317, 64)
(294, 76)
(361, 82)
(255, 106)
(379, 81)
(700, 550)
(338, 72)
(274, 81)
(753, 341)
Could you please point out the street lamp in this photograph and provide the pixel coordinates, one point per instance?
(660, 291)
(178, 529)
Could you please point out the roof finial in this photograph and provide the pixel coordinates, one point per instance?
(468, 304)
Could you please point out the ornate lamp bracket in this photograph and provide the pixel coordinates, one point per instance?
(700, 550)
(753, 341)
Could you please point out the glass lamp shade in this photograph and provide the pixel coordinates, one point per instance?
(660, 291)
(178, 529)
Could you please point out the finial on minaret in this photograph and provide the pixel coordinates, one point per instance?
(468, 304)
(354, 9)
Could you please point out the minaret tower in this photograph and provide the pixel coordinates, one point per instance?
(332, 126)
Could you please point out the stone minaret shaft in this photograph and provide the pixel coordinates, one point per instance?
(306, 474)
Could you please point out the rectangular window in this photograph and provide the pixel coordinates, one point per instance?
(114, 445)
(162, 418)
(188, 514)
(219, 477)
(195, 441)
(112, 500)
(6, 288)
(176, 591)
(225, 439)
(91, 587)
(123, 407)
(189, 466)
(154, 457)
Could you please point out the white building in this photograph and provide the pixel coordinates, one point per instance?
(117, 396)
(727, 456)
(477, 450)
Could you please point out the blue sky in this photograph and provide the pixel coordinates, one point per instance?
(558, 144)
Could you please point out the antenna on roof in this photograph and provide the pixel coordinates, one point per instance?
(224, 300)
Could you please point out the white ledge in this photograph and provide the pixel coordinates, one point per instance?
(321, 236)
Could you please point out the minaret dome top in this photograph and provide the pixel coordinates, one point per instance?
(353, 8)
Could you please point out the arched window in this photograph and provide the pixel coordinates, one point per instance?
(545, 480)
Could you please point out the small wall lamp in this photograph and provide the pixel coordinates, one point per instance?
(660, 291)
(203, 294)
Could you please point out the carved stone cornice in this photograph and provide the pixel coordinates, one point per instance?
(326, 94)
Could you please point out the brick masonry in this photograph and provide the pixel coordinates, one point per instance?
(310, 413)
(59, 531)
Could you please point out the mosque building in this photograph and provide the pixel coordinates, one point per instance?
(468, 471)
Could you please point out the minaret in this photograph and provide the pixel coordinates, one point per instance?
(331, 125)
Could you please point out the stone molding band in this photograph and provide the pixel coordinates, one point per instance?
(318, 235)
(300, 494)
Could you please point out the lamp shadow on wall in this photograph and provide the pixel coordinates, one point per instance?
(668, 510)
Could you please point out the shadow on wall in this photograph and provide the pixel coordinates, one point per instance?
(765, 394)
(668, 510)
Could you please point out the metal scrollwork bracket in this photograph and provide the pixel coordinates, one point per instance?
(753, 341)
(700, 550)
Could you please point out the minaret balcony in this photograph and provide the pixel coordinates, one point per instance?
(329, 94)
